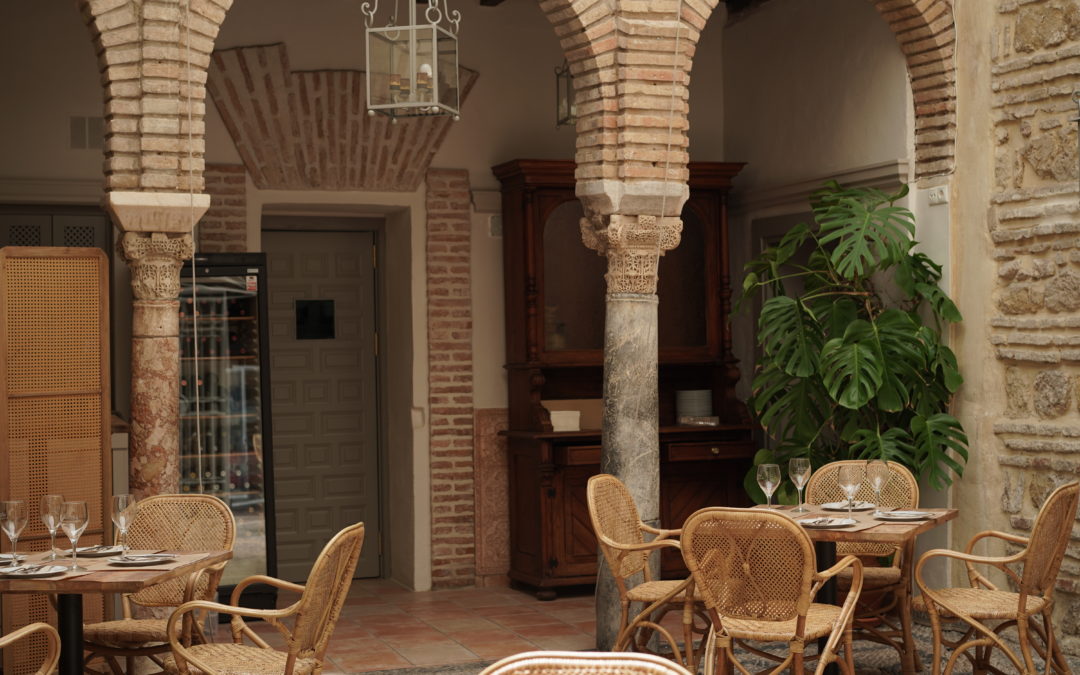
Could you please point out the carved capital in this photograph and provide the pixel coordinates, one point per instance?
(633, 246)
(155, 259)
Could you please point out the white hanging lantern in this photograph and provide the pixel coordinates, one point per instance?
(412, 70)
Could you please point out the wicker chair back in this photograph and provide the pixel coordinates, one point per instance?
(181, 523)
(325, 591)
(615, 519)
(583, 663)
(1049, 538)
(749, 563)
(901, 492)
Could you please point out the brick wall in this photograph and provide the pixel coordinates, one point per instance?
(450, 378)
(1034, 223)
(153, 56)
(224, 227)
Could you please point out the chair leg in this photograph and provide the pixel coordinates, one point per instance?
(1023, 632)
(910, 657)
(1053, 650)
(935, 627)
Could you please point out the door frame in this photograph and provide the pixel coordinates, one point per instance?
(376, 225)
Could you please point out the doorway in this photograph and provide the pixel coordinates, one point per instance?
(323, 359)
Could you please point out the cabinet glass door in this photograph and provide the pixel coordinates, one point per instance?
(221, 409)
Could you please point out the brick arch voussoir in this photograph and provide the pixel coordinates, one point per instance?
(926, 34)
(153, 63)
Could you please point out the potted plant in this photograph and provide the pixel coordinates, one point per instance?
(851, 363)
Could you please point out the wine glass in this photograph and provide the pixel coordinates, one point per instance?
(850, 478)
(13, 520)
(73, 520)
(799, 471)
(124, 509)
(878, 473)
(50, 516)
(768, 479)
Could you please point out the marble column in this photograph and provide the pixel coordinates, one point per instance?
(630, 439)
(155, 240)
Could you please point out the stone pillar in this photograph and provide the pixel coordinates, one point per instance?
(156, 239)
(630, 439)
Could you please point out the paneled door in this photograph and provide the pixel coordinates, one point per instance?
(323, 378)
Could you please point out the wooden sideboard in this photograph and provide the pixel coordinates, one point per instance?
(554, 332)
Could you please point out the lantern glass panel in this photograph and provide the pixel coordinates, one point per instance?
(448, 77)
(565, 109)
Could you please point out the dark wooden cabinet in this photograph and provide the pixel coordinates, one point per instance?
(554, 338)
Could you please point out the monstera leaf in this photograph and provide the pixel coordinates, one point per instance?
(845, 370)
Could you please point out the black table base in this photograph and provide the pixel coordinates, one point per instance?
(69, 619)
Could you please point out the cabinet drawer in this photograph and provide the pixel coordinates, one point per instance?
(577, 455)
(704, 450)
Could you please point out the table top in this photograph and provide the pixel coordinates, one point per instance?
(113, 580)
(882, 532)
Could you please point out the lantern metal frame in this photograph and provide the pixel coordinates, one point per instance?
(565, 106)
(431, 84)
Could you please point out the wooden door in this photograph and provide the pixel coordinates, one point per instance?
(323, 375)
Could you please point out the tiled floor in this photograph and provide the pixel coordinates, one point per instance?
(384, 626)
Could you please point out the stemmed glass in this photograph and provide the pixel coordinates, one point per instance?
(850, 477)
(73, 520)
(878, 473)
(799, 470)
(124, 509)
(768, 479)
(13, 520)
(50, 516)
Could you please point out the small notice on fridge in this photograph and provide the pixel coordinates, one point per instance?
(252, 282)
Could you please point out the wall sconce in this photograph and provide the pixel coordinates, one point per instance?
(412, 70)
(565, 107)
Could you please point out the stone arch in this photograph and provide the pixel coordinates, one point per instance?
(153, 56)
(623, 55)
(926, 34)
(618, 75)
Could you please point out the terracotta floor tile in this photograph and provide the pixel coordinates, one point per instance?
(517, 620)
(497, 650)
(546, 630)
(565, 642)
(424, 639)
(464, 624)
(426, 655)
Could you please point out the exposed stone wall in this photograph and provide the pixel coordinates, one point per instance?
(310, 130)
(492, 478)
(153, 56)
(1034, 222)
(925, 31)
(450, 378)
(224, 227)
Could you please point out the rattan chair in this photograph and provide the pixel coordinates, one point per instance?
(756, 572)
(583, 663)
(52, 655)
(621, 534)
(884, 612)
(171, 523)
(313, 616)
(983, 601)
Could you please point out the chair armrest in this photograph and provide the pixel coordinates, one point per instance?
(647, 546)
(999, 562)
(1014, 538)
(847, 610)
(271, 616)
(234, 599)
(53, 656)
(660, 534)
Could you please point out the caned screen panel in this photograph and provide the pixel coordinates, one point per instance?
(54, 393)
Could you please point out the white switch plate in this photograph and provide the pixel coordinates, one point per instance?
(938, 195)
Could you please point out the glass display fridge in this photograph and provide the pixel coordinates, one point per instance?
(225, 440)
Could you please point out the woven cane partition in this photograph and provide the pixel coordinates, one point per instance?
(54, 407)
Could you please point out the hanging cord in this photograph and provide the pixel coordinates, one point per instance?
(671, 128)
(196, 371)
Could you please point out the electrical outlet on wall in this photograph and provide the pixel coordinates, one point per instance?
(938, 195)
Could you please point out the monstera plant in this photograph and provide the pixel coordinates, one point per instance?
(851, 363)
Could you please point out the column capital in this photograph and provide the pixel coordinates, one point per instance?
(155, 259)
(633, 246)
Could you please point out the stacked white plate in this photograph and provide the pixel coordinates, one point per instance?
(693, 403)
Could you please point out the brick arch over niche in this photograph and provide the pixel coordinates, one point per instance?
(618, 134)
(153, 56)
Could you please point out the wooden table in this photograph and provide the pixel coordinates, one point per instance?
(898, 534)
(70, 591)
